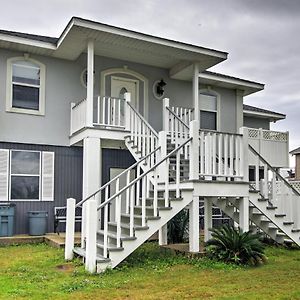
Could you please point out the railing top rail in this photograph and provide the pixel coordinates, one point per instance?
(174, 114)
(219, 132)
(274, 170)
(267, 130)
(189, 108)
(144, 120)
(143, 175)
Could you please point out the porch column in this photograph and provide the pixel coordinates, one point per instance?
(166, 103)
(91, 175)
(207, 218)
(196, 92)
(163, 235)
(194, 232)
(244, 213)
(90, 83)
(239, 109)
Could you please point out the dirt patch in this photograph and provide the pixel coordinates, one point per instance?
(65, 268)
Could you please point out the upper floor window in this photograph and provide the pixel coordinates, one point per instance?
(208, 111)
(25, 86)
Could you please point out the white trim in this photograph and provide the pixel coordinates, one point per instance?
(9, 83)
(128, 72)
(262, 115)
(211, 92)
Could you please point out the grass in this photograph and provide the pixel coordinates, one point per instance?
(39, 272)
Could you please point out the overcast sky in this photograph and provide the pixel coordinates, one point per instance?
(262, 37)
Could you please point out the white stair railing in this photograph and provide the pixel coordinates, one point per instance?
(78, 116)
(277, 190)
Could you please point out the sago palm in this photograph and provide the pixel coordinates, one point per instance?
(232, 245)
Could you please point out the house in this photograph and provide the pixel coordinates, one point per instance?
(133, 128)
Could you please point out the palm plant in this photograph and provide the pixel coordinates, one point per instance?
(234, 246)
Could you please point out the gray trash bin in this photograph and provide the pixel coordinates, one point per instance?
(7, 219)
(37, 222)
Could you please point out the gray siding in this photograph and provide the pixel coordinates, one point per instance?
(67, 182)
(253, 122)
(63, 87)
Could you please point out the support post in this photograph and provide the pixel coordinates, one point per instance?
(70, 229)
(90, 83)
(91, 229)
(162, 143)
(245, 153)
(194, 150)
(244, 213)
(207, 218)
(127, 111)
(196, 92)
(166, 103)
(194, 232)
(163, 235)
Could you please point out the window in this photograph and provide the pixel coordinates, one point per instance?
(25, 90)
(208, 111)
(26, 175)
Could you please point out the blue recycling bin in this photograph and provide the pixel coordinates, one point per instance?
(37, 222)
(7, 219)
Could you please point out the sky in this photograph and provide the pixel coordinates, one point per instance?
(261, 37)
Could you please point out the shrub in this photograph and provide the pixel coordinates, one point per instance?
(234, 246)
(178, 227)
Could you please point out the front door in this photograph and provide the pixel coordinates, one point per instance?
(121, 85)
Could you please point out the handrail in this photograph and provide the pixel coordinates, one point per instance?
(274, 170)
(143, 175)
(180, 120)
(115, 178)
(144, 120)
(78, 103)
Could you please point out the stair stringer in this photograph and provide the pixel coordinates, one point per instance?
(143, 235)
(277, 221)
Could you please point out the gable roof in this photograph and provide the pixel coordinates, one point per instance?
(295, 151)
(250, 110)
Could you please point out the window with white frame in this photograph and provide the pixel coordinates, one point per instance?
(208, 111)
(25, 86)
(26, 175)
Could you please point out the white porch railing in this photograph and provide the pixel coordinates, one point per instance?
(78, 116)
(272, 145)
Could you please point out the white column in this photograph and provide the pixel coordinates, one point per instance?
(245, 153)
(196, 92)
(244, 213)
(91, 175)
(194, 232)
(194, 150)
(90, 83)
(239, 109)
(70, 229)
(127, 111)
(163, 235)
(91, 229)
(207, 218)
(166, 103)
(162, 168)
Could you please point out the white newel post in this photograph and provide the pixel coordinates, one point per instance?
(245, 153)
(244, 213)
(70, 229)
(127, 111)
(194, 150)
(207, 218)
(91, 229)
(196, 92)
(90, 83)
(166, 103)
(91, 176)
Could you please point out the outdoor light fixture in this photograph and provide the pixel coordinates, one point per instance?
(158, 89)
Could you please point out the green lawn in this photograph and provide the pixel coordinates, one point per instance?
(39, 272)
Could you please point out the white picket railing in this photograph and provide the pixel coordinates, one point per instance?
(184, 113)
(78, 116)
(276, 189)
(221, 154)
(110, 111)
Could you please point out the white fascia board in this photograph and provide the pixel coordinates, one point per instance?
(263, 115)
(27, 42)
(65, 32)
(147, 38)
(233, 81)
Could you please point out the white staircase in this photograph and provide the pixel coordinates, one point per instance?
(169, 168)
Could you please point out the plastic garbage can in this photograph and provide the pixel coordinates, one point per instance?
(37, 222)
(7, 219)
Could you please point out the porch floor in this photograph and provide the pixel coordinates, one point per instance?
(52, 239)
